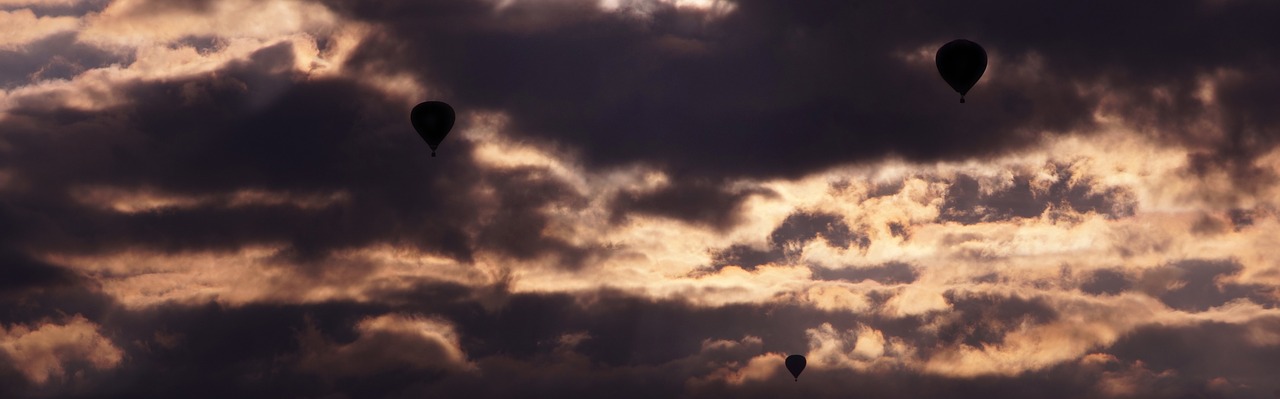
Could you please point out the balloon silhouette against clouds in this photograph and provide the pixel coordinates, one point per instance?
(432, 120)
(795, 364)
(961, 63)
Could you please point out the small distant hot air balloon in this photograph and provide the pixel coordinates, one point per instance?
(795, 364)
(961, 63)
(432, 120)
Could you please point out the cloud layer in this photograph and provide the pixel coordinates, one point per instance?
(640, 199)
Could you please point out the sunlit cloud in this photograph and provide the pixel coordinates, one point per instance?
(386, 343)
(45, 351)
(150, 200)
(164, 44)
(22, 26)
(140, 23)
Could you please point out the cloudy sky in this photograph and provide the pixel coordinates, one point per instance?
(640, 199)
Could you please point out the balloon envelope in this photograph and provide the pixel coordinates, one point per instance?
(432, 120)
(795, 364)
(961, 63)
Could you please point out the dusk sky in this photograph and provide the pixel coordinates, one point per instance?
(639, 199)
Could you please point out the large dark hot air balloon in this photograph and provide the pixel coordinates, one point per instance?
(961, 64)
(432, 120)
(795, 364)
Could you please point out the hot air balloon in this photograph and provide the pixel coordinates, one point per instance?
(961, 63)
(432, 120)
(795, 363)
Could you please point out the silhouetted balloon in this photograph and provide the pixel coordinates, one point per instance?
(795, 363)
(961, 64)
(432, 120)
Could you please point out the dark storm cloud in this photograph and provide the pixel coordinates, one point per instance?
(1197, 285)
(253, 351)
(780, 88)
(1192, 285)
(634, 345)
(1241, 218)
(627, 330)
(59, 56)
(790, 237)
(59, 9)
(801, 227)
(33, 293)
(20, 271)
(1207, 351)
(516, 226)
(32, 289)
(213, 351)
(200, 136)
(1069, 380)
(888, 273)
(983, 319)
(696, 201)
(12, 382)
(249, 128)
(746, 256)
(773, 88)
(1246, 121)
(624, 330)
(966, 203)
(1106, 282)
